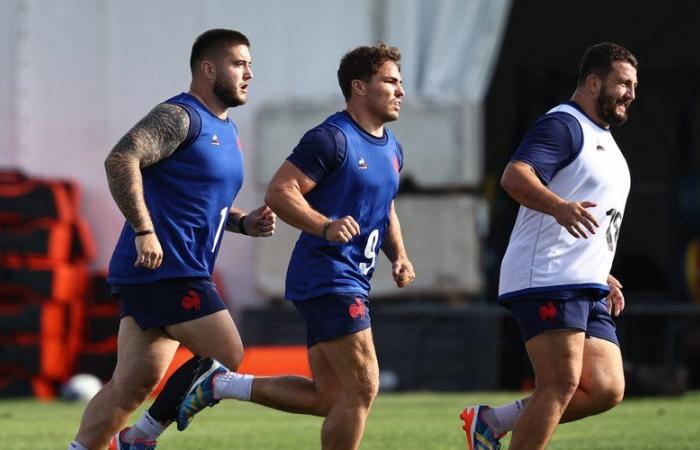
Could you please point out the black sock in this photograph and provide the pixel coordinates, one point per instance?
(164, 408)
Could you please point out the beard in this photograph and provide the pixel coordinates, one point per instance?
(226, 94)
(389, 116)
(382, 113)
(606, 106)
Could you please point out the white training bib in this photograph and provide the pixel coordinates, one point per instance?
(541, 255)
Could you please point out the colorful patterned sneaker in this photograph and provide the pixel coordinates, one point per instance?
(479, 434)
(201, 392)
(118, 444)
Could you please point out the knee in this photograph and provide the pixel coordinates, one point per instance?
(367, 390)
(611, 395)
(561, 389)
(132, 392)
(606, 392)
(233, 361)
(324, 403)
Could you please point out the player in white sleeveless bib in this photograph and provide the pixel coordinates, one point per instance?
(572, 182)
(543, 255)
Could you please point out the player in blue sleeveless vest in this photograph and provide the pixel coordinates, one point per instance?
(174, 176)
(571, 181)
(338, 188)
(360, 180)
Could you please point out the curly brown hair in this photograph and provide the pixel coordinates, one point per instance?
(363, 62)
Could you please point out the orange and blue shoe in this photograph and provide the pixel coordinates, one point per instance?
(479, 434)
(117, 443)
(201, 392)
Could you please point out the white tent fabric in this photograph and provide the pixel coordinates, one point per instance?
(450, 47)
(77, 74)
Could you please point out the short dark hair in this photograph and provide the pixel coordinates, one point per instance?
(212, 43)
(599, 58)
(363, 62)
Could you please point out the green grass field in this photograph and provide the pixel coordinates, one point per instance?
(421, 421)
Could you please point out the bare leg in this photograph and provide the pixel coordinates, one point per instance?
(354, 362)
(300, 394)
(557, 359)
(214, 336)
(602, 384)
(601, 387)
(142, 359)
(346, 379)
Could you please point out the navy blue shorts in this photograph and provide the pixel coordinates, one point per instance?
(167, 302)
(333, 316)
(584, 312)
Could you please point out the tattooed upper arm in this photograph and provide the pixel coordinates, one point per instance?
(152, 139)
(156, 136)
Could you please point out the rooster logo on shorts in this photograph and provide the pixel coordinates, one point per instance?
(357, 309)
(548, 312)
(191, 301)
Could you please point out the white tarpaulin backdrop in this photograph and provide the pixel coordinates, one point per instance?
(76, 74)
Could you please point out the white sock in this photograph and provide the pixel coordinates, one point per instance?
(147, 428)
(502, 418)
(233, 385)
(74, 445)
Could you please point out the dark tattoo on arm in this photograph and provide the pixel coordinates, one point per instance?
(152, 139)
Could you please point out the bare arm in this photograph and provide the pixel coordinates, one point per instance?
(153, 138)
(520, 181)
(393, 248)
(285, 195)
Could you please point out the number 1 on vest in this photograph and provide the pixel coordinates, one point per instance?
(224, 214)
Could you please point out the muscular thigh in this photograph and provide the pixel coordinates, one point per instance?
(324, 378)
(556, 356)
(213, 336)
(602, 365)
(142, 356)
(353, 359)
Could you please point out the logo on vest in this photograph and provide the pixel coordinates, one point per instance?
(362, 164)
(215, 140)
(600, 148)
(191, 301)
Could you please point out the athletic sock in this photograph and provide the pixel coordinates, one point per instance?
(147, 428)
(74, 445)
(233, 385)
(502, 418)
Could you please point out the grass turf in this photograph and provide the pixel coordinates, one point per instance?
(419, 421)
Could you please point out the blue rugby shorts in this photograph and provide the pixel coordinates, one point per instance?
(332, 316)
(167, 302)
